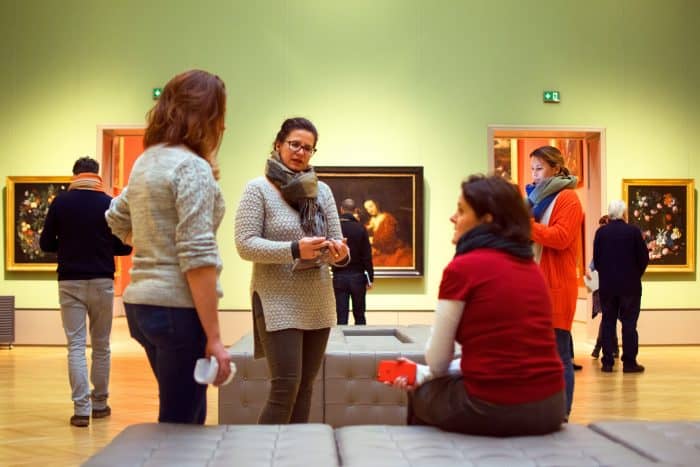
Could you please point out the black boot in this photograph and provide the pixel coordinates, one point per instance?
(596, 350)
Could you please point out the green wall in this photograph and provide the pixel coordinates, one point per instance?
(401, 82)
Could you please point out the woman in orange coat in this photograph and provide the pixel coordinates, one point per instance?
(556, 231)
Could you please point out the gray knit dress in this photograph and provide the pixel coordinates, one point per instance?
(265, 228)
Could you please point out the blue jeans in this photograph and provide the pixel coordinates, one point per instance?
(174, 340)
(346, 286)
(93, 299)
(564, 348)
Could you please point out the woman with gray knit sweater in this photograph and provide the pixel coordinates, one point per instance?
(287, 225)
(170, 212)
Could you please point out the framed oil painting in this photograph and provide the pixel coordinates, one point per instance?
(28, 200)
(389, 204)
(664, 210)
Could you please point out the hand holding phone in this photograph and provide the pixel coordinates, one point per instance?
(389, 370)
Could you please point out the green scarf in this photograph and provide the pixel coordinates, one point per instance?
(300, 191)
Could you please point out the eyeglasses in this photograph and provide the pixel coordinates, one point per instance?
(296, 146)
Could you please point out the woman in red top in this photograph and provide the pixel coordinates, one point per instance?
(556, 231)
(493, 301)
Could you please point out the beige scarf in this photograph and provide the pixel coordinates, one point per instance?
(86, 181)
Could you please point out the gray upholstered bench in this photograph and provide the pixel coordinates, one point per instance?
(243, 399)
(673, 443)
(422, 446)
(173, 445)
(345, 391)
(317, 445)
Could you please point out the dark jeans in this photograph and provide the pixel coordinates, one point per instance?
(626, 308)
(346, 286)
(174, 340)
(294, 357)
(443, 402)
(564, 349)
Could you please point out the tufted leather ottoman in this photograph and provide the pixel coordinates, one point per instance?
(674, 443)
(422, 446)
(345, 391)
(243, 399)
(172, 445)
(351, 393)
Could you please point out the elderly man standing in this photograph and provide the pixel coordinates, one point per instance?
(620, 257)
(76, 229)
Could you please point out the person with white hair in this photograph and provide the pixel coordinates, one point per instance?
(620, 257)
(617, 210)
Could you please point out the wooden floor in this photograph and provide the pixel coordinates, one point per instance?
(35, 403)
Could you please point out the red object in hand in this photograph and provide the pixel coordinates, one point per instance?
(389, 370)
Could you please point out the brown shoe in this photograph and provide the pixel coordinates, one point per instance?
(101, 413)
(80, 420)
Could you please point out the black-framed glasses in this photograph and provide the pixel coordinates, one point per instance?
(296, 146)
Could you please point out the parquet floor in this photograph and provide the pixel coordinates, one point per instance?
(35, 400)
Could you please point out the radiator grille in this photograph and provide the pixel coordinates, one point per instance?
(7, 319)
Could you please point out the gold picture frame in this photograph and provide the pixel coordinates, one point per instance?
(397, 194)
(28, 200)
(664, 210)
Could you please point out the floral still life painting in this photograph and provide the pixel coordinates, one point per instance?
(664, 211)
(28, 201)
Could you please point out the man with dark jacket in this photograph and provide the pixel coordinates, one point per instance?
(76, 229)
(620, 257)
(353, 280)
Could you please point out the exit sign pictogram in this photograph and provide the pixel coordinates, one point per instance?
(551, 97)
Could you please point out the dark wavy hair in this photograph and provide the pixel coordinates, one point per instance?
(501, 199)
(191, 112)
(296, 123)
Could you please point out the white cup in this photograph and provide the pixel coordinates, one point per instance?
(205, 371)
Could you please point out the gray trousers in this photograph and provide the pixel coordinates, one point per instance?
(79, 299)
(294, 357)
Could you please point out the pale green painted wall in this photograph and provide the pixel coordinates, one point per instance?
(403, 82)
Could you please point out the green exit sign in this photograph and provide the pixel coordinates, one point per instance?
(156, 93)
(551, 97)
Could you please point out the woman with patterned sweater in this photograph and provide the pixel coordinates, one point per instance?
(287, 224)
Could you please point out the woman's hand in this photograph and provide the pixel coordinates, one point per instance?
(310, 247)
(338, 250)
(223, 358)
(401, 382)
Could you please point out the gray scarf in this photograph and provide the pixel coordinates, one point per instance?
(300, 191)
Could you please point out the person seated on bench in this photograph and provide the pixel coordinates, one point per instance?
(493, 301)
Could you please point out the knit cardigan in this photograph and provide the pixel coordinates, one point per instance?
(561, 242)
(264, 230)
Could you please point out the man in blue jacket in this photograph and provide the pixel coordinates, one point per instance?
(620, 257)
(76, 229)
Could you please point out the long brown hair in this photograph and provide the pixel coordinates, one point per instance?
(552, 156)
(501, 199)
(191, 112)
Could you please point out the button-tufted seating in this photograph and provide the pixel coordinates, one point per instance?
(315, 445)
(674, 443)
(242, 400)
(351, 393)
(346, 391)
(173, 445)
(419, 446)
